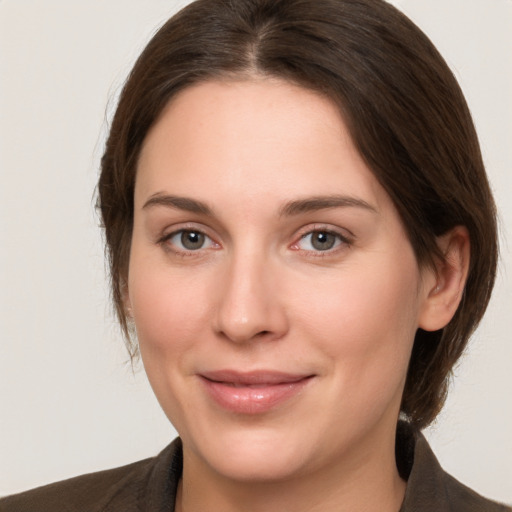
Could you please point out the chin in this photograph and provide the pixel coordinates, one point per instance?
(253, 454)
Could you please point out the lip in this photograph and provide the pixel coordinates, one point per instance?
(253, 392)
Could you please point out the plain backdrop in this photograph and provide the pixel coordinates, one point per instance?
(69, 402)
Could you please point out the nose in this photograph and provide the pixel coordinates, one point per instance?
(249, 306)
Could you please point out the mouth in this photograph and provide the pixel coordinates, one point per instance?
(253, 392)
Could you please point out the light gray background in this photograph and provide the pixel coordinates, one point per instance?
(69, 403)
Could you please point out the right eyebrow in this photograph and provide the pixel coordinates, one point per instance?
(179, 203)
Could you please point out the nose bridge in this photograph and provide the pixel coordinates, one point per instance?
(249, 304)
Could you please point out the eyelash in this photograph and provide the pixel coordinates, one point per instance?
(341, 242)
(166, 242)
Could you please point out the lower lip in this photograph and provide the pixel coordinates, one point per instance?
(253, 399)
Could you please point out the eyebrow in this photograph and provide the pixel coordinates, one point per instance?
(179, 203)
(323, 202)
(289, 209)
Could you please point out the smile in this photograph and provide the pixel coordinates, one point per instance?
(254, 392)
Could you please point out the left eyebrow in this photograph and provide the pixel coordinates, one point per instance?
(322, 203)
(178, 203)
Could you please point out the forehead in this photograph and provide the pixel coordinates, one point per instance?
(259, 137)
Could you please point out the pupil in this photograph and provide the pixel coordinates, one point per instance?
(192, 240)
(323, 241)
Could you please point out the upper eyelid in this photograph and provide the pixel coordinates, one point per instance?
(214, 230)
(342, 238)
(328, 228)
(173, 230)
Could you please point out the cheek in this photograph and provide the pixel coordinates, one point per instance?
(169, 311)
(170, 318)
(367, 319)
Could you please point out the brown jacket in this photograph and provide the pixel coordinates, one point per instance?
(150, 486)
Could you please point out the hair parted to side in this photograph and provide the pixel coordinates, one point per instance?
(404, 109)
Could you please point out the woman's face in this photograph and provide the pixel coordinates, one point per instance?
(274, 291)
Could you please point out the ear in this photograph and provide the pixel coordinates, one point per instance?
(445, 284)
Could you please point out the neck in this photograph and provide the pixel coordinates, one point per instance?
(367, 483)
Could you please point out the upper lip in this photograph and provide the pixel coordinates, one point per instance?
(269, 377)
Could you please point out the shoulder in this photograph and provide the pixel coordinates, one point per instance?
(87, 492)
(119, 489)
(465, 499)
(429, 487)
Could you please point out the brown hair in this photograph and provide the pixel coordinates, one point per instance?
(405, 111)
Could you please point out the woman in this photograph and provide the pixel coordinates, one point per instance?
(301, 239)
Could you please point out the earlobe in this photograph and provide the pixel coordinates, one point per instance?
(444, 296)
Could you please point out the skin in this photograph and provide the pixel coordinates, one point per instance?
(258, 294)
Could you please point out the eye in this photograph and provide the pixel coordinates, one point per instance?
(189, 240)
(320, 241)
